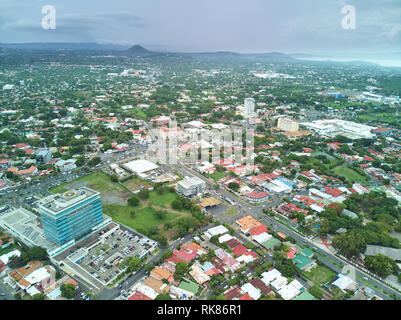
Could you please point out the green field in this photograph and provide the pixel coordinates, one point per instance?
(351, 175)
(109, 191)
(320, 275)
(98, 181)
(161, 199)
(218, 175)
(381, 117)
(143, 219)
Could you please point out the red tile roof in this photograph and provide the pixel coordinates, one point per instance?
(233, 292)
(246, 297)
(333, 191)
(138, 296)
(257, 283)
(258, 230)
(187, 255)
(174, 259)
(239, 250)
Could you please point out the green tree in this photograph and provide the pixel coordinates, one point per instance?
(160, 214)
(67, 290)
(133, 201)
(234, 186)
(80, 161)
(316, 292)
(38, 296)
(163, 297)
(167, 254)
(181, 268)
(144, 194)
(350, 243)
(381, 264)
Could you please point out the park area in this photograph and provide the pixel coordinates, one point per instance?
(152, 212)
(349, 174)
(110, 192)
(144, 217)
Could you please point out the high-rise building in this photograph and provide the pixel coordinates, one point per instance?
(288, 125)
(249, 108)
(71, 215)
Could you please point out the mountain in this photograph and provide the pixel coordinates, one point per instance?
(138, 50)
(302, 56)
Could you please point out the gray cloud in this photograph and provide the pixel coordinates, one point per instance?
(189, 25)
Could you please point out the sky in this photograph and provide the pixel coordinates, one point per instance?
(244, 26)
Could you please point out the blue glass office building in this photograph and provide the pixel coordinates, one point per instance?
(71, 215)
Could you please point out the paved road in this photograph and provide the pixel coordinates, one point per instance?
(328, 258)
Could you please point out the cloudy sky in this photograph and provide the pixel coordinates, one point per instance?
(304, 26)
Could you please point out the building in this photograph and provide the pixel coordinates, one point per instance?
(253, 292)
(40, 280)
(335, 127)
(71, 215)
(344, 283)
(383, 131)
(142, 168)
(8, 87)
(247, 223)
(216, 231)
(303, 262)
(43, 156)
(287, 124)
(66, 165)
(198, 274)
(191, 186)
(249, 108)
(25, 226)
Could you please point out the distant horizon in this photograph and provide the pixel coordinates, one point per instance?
(309, 56)
(318, 28)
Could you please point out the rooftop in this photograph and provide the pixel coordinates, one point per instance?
(60, 202)
(140, 166)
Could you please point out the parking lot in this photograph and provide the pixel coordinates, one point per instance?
(103, 260)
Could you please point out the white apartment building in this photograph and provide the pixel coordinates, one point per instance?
(287, 124)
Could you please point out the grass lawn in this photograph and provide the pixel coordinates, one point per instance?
(218, 175)
(143, 218)
(110, 192)
(351, 175)
(320, 275)
(98, 181)
(59, 189)
(161, 199)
